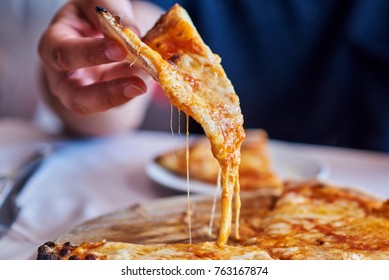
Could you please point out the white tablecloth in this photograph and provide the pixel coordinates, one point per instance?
(86, 178)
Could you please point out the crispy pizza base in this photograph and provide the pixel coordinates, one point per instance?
(255, 171)
(191, 76)
(310, 220)
(127, 251)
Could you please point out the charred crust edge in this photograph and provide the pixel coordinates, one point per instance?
(100, 9)
(116, 19)
(47, 252)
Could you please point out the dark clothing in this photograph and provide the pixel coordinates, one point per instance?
(305, 71)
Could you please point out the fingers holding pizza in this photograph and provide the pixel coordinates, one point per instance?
(85, 74)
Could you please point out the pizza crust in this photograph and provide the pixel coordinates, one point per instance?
(127, 251)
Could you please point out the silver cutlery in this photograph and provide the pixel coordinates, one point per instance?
(11, 185)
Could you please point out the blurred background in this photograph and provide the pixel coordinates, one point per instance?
(21, 24)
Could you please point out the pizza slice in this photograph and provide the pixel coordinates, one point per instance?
(255, 171)
(191, 76)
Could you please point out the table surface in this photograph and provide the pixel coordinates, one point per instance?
(84, 179)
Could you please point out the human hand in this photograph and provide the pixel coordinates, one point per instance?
(84, 70)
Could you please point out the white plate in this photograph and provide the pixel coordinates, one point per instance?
(287, 161)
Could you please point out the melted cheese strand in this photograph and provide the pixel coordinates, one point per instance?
(171, 118)
(187, 180)
(179, 122)
(137, 56)
(227, 192)
(237, 207)
(217, 191)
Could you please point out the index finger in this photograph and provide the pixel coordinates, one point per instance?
(72, 53)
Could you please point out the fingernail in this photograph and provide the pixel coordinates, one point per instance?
(115, 52)
(133, 90)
